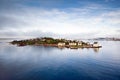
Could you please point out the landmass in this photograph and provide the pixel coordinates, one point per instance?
(48, 41)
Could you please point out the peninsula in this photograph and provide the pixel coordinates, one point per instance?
(48, 41)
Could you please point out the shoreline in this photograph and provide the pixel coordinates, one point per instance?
(66, 46)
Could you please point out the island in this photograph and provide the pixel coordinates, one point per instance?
(61, 43)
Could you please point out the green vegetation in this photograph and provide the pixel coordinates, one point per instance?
(38, 41)
(48, 41)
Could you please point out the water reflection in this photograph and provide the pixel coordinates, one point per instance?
(96, 50)
(46, 63)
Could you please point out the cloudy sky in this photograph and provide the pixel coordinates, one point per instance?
(60, 18)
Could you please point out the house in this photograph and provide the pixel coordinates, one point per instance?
(72, 44)
(61, 44)
(43, 39)
(88, 43)
(80, 43)
(95, 44)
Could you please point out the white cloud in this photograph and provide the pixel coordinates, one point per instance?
(74, 21)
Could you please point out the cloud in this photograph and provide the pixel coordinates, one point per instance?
(69, 22)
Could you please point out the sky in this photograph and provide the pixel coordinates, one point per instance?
(59, 18)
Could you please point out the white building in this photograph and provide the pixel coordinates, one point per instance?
(88, 43)
(80, 43)
(95, 44)
(61, 44)
(72, 44)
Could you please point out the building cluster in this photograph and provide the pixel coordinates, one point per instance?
(79, 44)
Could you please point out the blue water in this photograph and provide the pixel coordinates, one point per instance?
(51, 63)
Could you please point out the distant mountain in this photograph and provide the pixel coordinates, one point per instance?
(107, 39)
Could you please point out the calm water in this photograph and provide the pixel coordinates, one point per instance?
(50, 63)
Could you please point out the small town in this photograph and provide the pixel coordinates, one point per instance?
(60, 43)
